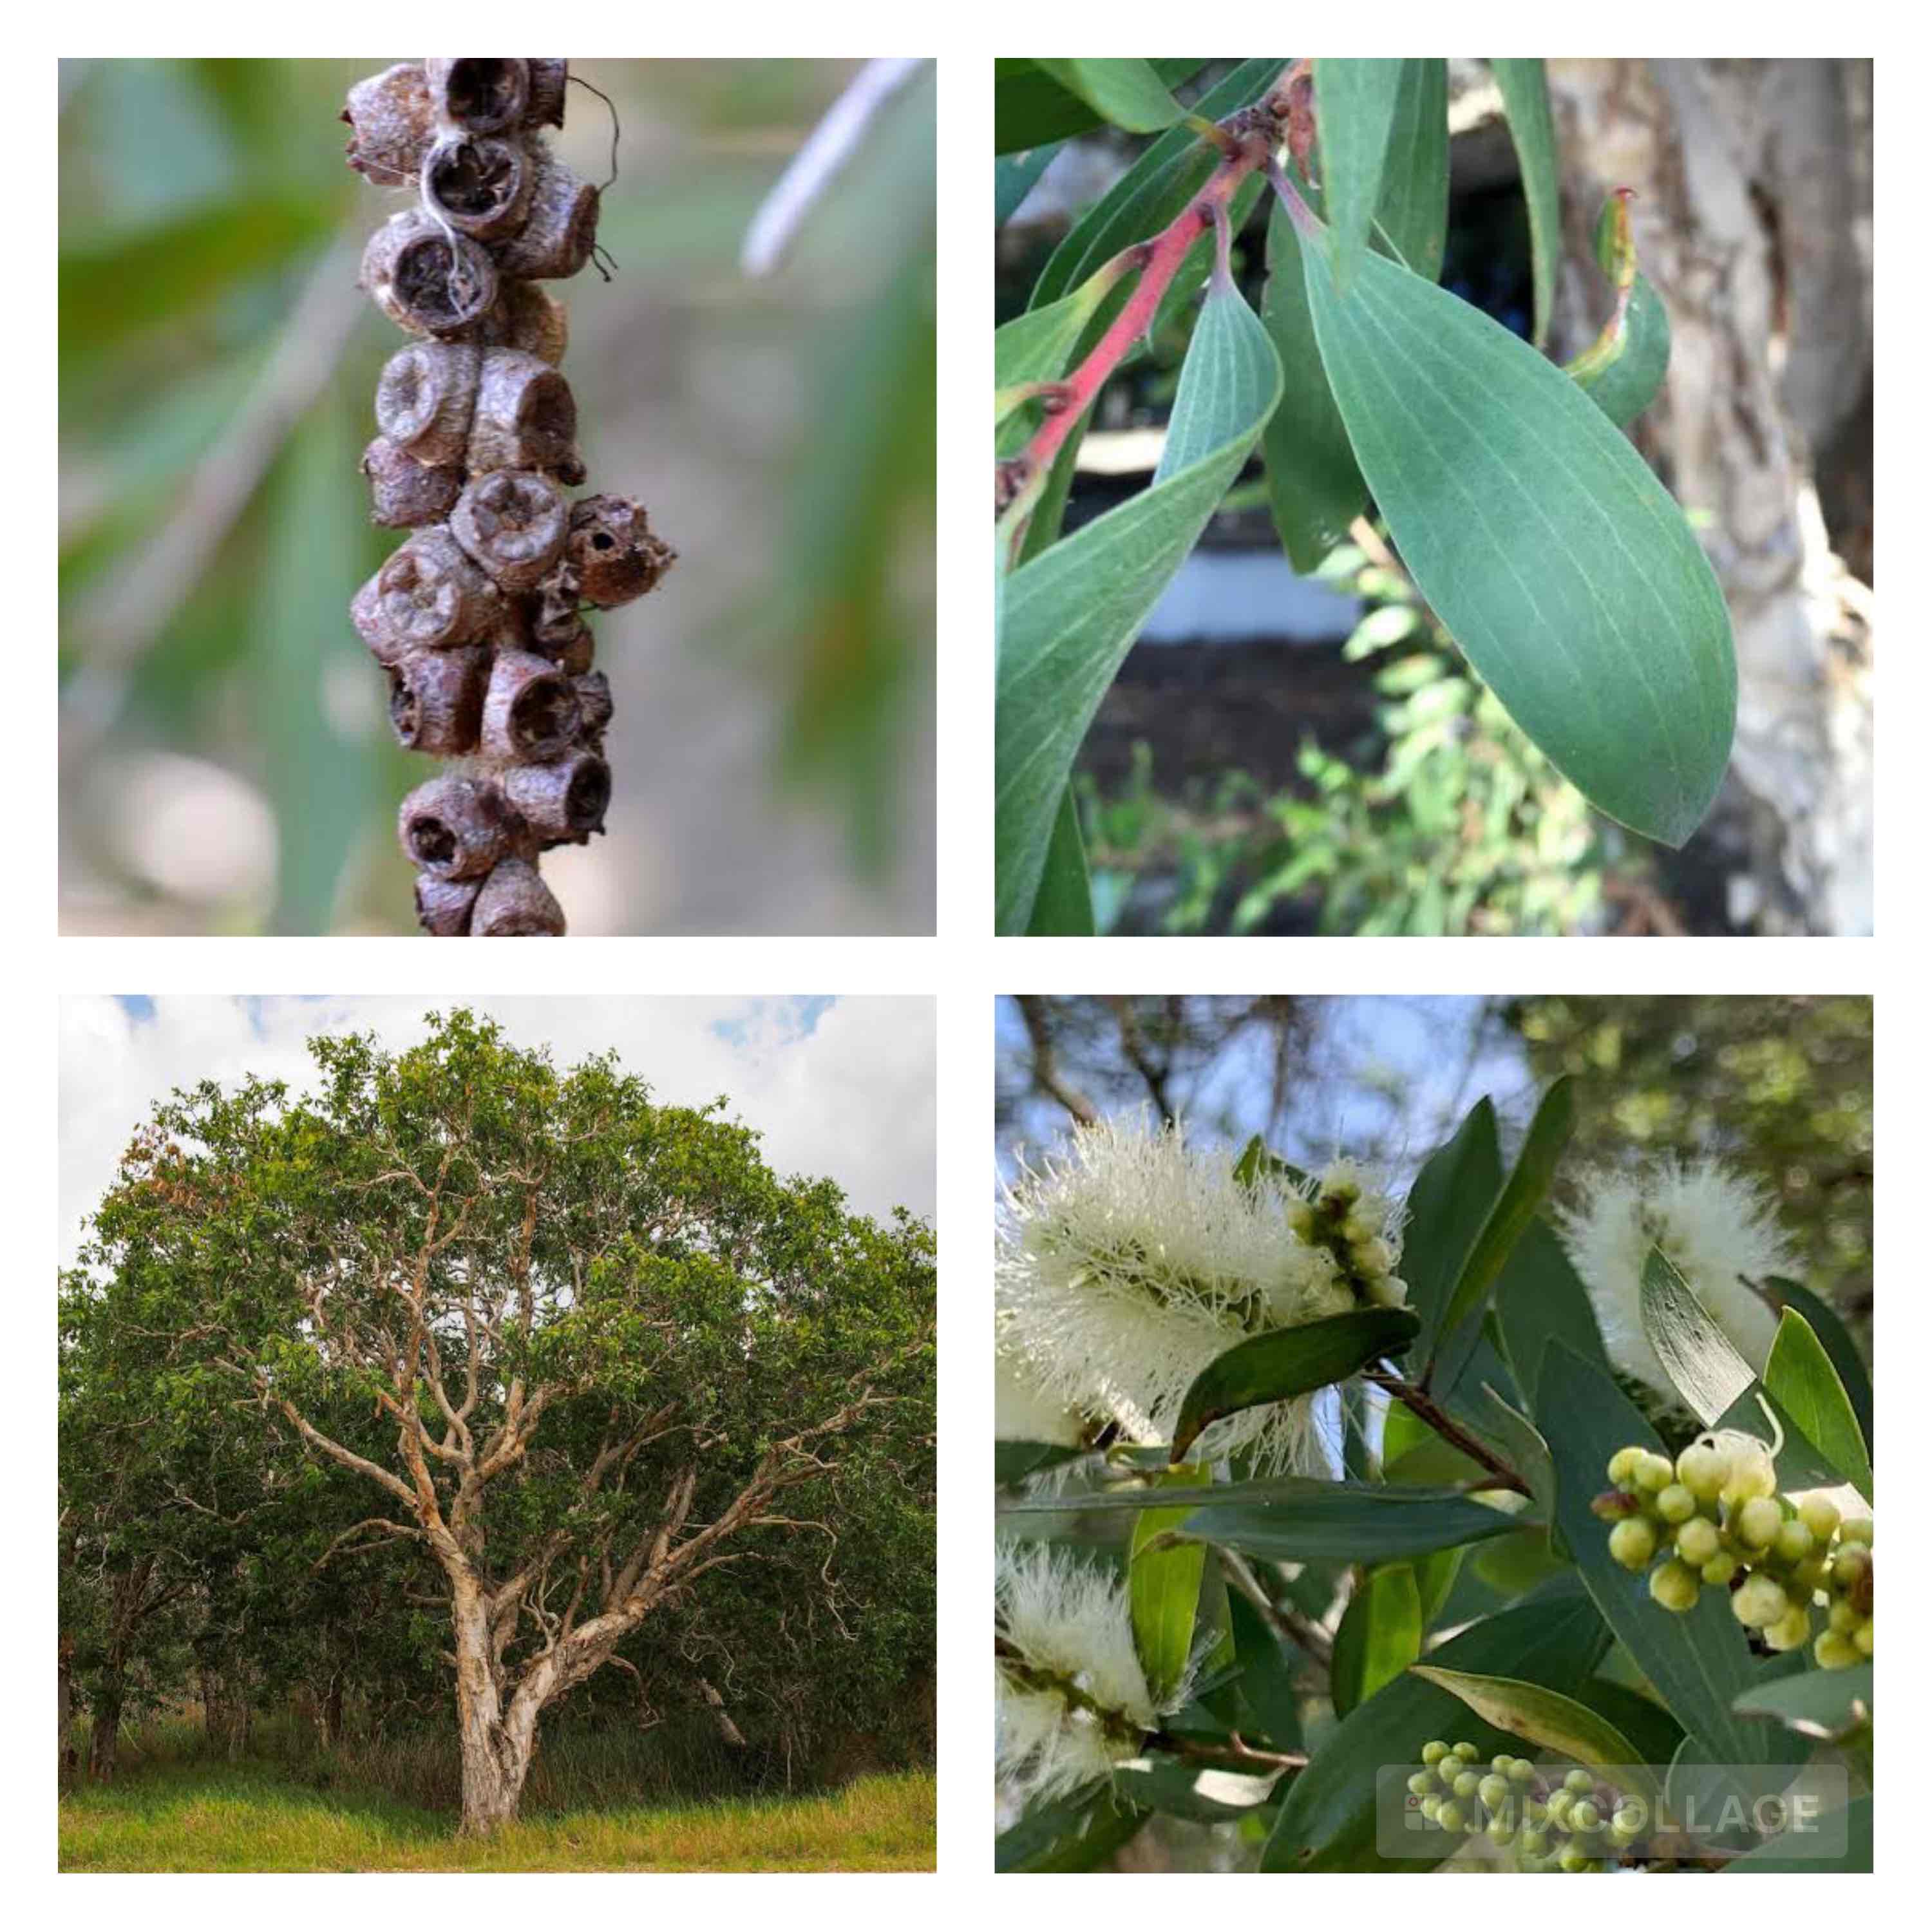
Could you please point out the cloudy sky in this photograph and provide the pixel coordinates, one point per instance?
(842, 1088)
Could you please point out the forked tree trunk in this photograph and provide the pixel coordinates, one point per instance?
(499, 1741)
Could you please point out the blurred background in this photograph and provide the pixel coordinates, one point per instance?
(1283, 754)
(226, 765)
(1781, 1088)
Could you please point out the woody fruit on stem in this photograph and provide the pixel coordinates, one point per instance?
(477, 618)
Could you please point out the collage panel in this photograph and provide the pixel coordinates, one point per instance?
(1433, 1433)
(1433, 497)
(497, 1436)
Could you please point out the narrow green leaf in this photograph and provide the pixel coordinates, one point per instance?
(1073, 1834)
(1128, 93)
(1624, 381)
(1446, 1206)
(1164, 1587)
(1063, 907)
(1523, 1442)
(1799, 1376)
(1031, 106)
(1837, 1340)
(1827, 1704)
(1554, 558)
(1284, 1363)
(1327, 1821)
(1348, 1522)
(1070, 615)
(1697, 1663)
(1379, 1636)
(1698, 1356)
(1509, 1216)
(1256, 1161)
(1526, 94)
(1154, 190)
(1539, 1300)
(1267, 1675)
(1538, 1715)
(1413, 213)
(1014, 176)
(1354, 105)
(1654, 1733)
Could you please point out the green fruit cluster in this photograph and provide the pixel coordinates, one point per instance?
(1550, 1819)
(1363, 1259)
(1715, 1519)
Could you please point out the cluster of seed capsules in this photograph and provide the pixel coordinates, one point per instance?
(1550, 1820)
(478, 618)
(1716, 1519)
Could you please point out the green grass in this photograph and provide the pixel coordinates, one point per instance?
(260, 1816)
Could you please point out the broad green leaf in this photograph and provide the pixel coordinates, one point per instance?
(1697, 1663)
(1030, 106)
(1538, 1715)
(1625, 382)
(1073, 1834)
(1379, 1636)
(1164, 1588)
(1267, 1674)
(1526, 105)
(1836, 1339)
(1826, 1704)
(1435, 1578)
(1154, 189)
(1799, 1377)
(1778, 1856)
(1554, 557)
(1070, 615)
(1127, 93)
(1355, 102)
(1447, 1204)
(1508, 1218)
(1654, 1733)
(1284, 1363)
(1063, 906)
(1014, 176)
(1346, 1522)
(1327, 1821)
(1412, 216)
(1698, 1356)
(1539, 1300)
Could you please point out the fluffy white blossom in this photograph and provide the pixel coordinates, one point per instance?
(1716, 1227)
(1025, 1410)
(1126, 1267)
(1072, 1701)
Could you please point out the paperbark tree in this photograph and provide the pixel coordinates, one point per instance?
(593, 1345)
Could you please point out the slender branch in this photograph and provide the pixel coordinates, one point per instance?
(1287, 1622)
(1234, 1751)
(1425, 1406)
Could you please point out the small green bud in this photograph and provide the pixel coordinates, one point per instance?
(1858, 1529)
(1449, 1816)
(1500, 1763)
(1850, 1564)
(1535, 1811)
(1842, 1618)
(1616, 1505)
(1435, 1751)
(1533, 1842)
(1793, 1544)
(1624, 1464)
(1654, 1472)
(1758, 1601)
(1579, 1781)
(1422, 1783)
(1465, 1751)
(1675, 1503)
(1704, 1469)
(1698, 1541)
(1674, 1586)
(1574, 1859)
(1521, 1770)
(1792, 1631)
(1300, 1216)
(1820, 1515)
(1862, 1638)
(1633, 1544)
(1834, 1652)
(1501, 1831)
(1584, 1815)
(1811, 1574)
(1466, 1786)
(1494, 1791)
(1558, 1810)
(1432, 1809)
(1756, 1522)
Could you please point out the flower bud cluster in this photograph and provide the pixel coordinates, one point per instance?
(1346, 1217)
(1550, 1818)
(1715, 1519)
(477, 619)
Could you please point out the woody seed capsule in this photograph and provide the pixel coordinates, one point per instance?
(565, 802)
(430, 595)
(544, 108)
(392, 123)
(483, 96)
(512, 522)
(424, 279)
(458, 828)
(593, 702)
(515, 904)
(526, 418)
(559, 232)
(425, 397)
(529, 714)
(612, 551)
(528, 317)
(404, 493)
(436, 700)
(443, 905)
(478, 185)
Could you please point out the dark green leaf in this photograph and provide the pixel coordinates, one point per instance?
(1379, 1636)
(1267, 1675)
(1799, 1377)
(1063, 907)
(1326, 1822)
(1522, 1442)
(1355, 102)
(1654, 1733)
(1510, 1214)
(1014, 176)
(1526, 104)
(1446, 1207)
(1127, 93)
(1779, 1856)
(1284, 1363)
(1074, 1833)
(1413, 216)
(1698, 1356)
(1030, 106)
(1553, 556)
(1070, 614)
(1346, 1522)
(1826, 1704)
(1538, 1301)
(1837, 1342)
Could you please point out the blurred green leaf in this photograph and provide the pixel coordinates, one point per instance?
(1526, 94)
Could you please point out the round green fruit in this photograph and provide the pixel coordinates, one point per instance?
(1467, 1785)
(1422, 1783)
(1633, 1543)
(1834, 1652)
(1494, 1791)
(1624, 1464)
(1579, 1780)
(1792, 1631)
(1698, 1541)
(1793, 1542)
(1674, 1586)
(1435, 1751)
(1654, 1472)
(1449, 1816)
(1758, 1600)
(1704, 1469)
(1675, 1503)
(1756, 1522)
(1820, 1515)
(1858, 1530)
(1719, 1570)
(1862, 1638)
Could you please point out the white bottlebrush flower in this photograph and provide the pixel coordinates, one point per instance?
(1716, 1227)
(1072, 1701)
(1126, 1267)
(1025, 1410)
